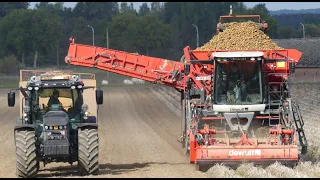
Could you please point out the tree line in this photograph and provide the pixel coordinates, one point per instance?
(39, 36)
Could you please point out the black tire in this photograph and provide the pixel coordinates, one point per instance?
(26, 157)
(88, 151)
(202, 168)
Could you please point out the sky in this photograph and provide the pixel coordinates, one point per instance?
(270, 5)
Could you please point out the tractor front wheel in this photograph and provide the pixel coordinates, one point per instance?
(88, 151)
(26, 157)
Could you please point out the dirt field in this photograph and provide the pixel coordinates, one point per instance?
(139, 130)
(138, 138)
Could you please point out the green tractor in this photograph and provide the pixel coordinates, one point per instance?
(58, 122)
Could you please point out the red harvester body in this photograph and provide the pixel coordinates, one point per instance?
(236, 105)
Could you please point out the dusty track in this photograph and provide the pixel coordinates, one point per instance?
(138, 138)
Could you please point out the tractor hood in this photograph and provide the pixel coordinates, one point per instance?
(55, 118)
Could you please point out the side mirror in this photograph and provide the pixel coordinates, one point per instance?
(186, 69)
(11, 99)
(99, 96)
(292, 67)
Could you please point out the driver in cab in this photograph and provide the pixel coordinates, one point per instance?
(236, 86)
(54, 100)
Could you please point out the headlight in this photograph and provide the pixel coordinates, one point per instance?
(45, 127)
(25, 114)
(26, 109)
(60, 127)
(87, 113)
(29, 88)
(36, 88)
(50, 127)
(73, 87)
(62, 133)
(79, 86)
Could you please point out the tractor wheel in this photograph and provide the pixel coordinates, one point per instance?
(88, 151)
(26, 157)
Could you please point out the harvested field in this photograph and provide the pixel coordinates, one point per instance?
(306, 95)
(240, 36)
(138, 138)
(139, 131)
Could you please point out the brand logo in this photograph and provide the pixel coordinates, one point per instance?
(239, 109)
(203, 78)
(245, 153)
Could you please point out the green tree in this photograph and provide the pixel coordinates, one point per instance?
(96, 10)
(149, 34)
(120, 33)
(127, 8)
(144, 9)
(16, 33)
(261, 7)
(156, 7)
(9, 65)
(7, 7)
(312, 30)
(46, 30)
(286, 32)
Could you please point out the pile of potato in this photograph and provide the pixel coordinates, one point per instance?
(240, 36)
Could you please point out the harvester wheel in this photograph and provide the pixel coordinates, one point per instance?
(88, 151)
(26, 157)
(202, 168)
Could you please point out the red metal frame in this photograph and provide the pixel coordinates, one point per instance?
(147, 68)
(240, 16)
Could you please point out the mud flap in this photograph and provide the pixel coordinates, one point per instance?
(91, 119)
(93, 125)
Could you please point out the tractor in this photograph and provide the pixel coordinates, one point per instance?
(56, 123)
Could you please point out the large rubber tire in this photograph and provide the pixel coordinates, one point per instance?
(26, 157)
(202, 168)
(88, 151)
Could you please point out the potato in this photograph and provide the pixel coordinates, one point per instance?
(240, 36)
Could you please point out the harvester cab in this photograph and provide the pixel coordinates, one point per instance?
(238, 85)
(53, 111)
(263, 26)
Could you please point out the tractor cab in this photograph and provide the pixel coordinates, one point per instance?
(55, 92)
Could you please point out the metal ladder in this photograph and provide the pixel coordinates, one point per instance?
(298, 120)
(274, 118)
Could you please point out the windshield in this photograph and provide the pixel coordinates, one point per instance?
(238, 83)
(58, 99)
(64, 96)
